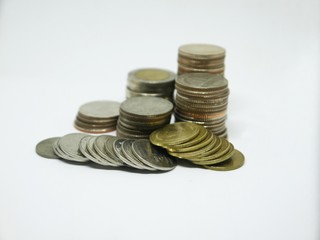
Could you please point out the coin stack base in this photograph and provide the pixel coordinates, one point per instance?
(201, 58)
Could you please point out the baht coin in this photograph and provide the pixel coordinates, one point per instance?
(235, 162)
(45, 148)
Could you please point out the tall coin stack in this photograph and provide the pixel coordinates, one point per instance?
(201, 58)
(151, 82)
(202, 98)
(139, 116)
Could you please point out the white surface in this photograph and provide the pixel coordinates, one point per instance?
(57, 55)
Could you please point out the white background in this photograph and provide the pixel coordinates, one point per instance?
(57, 55)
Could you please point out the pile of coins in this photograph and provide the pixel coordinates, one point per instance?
(139, 116)
(200, 58)
(97, 117)
(151, 82)
(202, 98)
(194, 143)
(107, 151)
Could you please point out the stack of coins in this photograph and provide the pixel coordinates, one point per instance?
(97, 117)
(202, 98)
(139, 116)
(200, 58)
(151, 82)
(194, 143)
(106, 151)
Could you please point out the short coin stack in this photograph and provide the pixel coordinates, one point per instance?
(202, 98)
(97, 117)
(151, 82)
(139, 116)
(194, 143)
(201, 58)
(106, 150)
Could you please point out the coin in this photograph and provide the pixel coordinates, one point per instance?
(201, 51)
(235, 162)
(176, 133)
(202, 81)
(45, 148)
(100, 109)
(152, 156)
(99, 146)
(147, 106)
(69, 144)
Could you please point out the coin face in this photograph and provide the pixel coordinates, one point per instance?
(152, 156)
(152, 74)
(202, 51)
(70, 144)
(45, 148)
(176, 133)
(147, 106)
(100, 109)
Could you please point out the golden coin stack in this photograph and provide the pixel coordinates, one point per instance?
(97, 117)
(193, 142)
(151, 82)
(202, 98)
(201, 58)
(139, 116)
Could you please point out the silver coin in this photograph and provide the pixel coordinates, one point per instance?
(60, 153)
(152, 156)
(100, 109)
(126, 148)
(98, 159)
(45, 148)
(109, 148)
(84, 150)
(202, 81)
(118, 151)
(69, 144)
(147, 106)
(99, 146)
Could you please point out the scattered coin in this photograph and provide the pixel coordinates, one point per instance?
(212, 152)
(45, 148)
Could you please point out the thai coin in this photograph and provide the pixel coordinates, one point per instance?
(45, 148)
(202, 81)
(185, 70)
(109, 148)
(69, 144)
(235, 162)
(118, 151)
(130, 159)
(100, 109)
(147, 107)
(99, 146)
(202, 51)
(173, 134)
(84, 150)
(152, 156)
(57, 150)
(199, 138)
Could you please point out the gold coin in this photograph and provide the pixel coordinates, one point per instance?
(176, 133)
(192, 154)
(224, 156)
(217, 142)
(203, 133)
(194, 147)
(235, 162)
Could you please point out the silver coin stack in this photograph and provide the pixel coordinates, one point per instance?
(107, 151)
(152, 82)
(201, 58)
(139, 116)
(202, 98)
(97, 117)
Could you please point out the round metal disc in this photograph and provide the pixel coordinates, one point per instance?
(45, 148)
